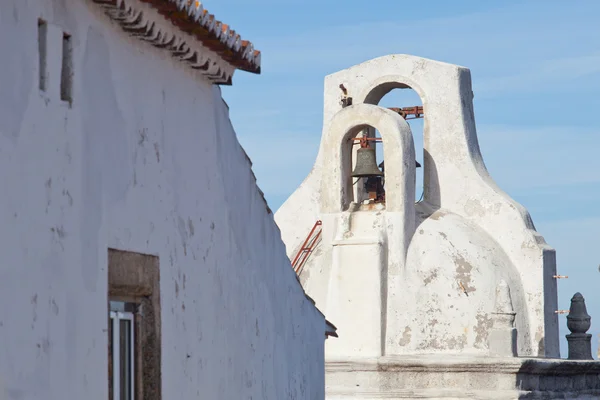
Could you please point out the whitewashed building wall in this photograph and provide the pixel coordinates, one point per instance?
(144, 159)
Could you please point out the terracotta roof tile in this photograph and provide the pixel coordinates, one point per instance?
(187, 22)
(191, 17)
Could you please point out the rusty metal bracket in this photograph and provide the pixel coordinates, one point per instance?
(364, 141)
(346, 100)
(307, 247)
(415, 111)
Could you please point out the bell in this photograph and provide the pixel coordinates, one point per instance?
(366, 164)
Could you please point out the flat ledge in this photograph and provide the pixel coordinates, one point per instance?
(461, 376)
(461, 363)
(446, 394)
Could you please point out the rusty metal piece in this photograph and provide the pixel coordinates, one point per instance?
(346, 100)
(560, 276)
(307, 247)
(364, 141)
(416, 111)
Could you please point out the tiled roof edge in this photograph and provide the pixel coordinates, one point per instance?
(191, 34)
(219, 36)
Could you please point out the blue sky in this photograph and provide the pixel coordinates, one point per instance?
(536, 77)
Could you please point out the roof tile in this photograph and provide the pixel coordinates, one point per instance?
(192, 18)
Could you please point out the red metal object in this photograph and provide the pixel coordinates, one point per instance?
(307, 247)
(416, 111)
(364, 141)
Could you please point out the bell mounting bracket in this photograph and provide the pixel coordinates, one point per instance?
(364, 141)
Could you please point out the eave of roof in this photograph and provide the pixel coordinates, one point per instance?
(191, 17)
(189, 33)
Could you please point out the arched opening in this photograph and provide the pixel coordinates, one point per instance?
(407, 102)
(363, 170)
(336, 179)
(367, 173)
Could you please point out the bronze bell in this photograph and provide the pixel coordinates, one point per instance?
(366, 163)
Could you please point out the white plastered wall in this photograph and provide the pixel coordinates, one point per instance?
(144, 160)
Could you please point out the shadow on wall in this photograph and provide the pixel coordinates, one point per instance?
(432, 197)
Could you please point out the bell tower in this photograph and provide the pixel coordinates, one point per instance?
(451, 249)
(421, 293)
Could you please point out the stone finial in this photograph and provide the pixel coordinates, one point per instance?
(578, 322)
(502, 339)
